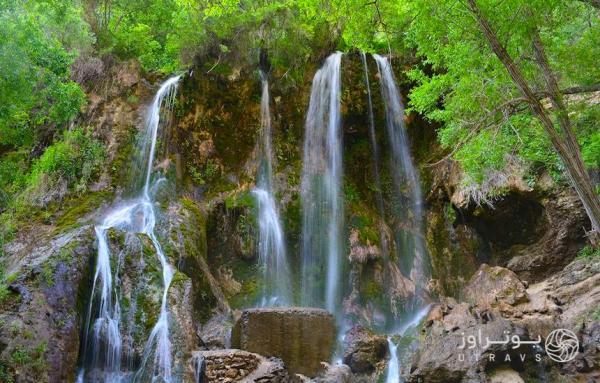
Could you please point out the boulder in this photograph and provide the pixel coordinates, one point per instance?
(334, 373)
(492, 286)
(499, 304)
(505, 375)
(442, 356)
(363, 349)
(301, 337)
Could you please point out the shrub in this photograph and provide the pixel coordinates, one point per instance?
(67, 165)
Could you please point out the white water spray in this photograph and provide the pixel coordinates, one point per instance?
(321, 190)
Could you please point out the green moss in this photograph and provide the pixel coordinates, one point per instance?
(248, 294)
(11, 277)
(40, 365)
(178, 280)
(5, 375)
(147, 311)
(121, 163)
(75, 208)
(449, 212)
(5, 293)
(24, 357)
(371, 290)
(366, 225)
(293, 215)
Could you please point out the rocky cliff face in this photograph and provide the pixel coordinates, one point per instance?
(510, 267)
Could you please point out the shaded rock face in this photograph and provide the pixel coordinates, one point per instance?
(301, 337)
(530, 234)
(232, 365)
(562, 239)
(39, 320)
(533, 232)
(363, 350)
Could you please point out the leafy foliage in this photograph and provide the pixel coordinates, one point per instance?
(69, 163)
(38, 41)
(462, 85)
(458, 82)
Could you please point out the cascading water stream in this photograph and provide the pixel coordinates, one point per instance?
(411, 248)
(321, 190)
(102, 348)
(393, 371)
(271, 243)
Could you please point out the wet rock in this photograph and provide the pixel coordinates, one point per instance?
(182, 323)
(360, 252)
(215, 333)
(301, 337)
(455, 249)
(363, 349)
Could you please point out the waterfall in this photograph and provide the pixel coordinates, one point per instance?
(393, 372)
(271, 243)
(102, 347)
(321, 189)
(411, 249)
(373, 139)
(376, 171)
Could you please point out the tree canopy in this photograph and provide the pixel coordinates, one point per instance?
(459, 83)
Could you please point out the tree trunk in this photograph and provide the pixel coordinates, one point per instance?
(566, 144)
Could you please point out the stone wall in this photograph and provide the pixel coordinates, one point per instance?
(301, 337)
(232, 365)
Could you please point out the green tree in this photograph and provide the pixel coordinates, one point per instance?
(495, 74)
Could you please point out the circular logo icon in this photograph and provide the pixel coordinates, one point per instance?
(562, 345)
